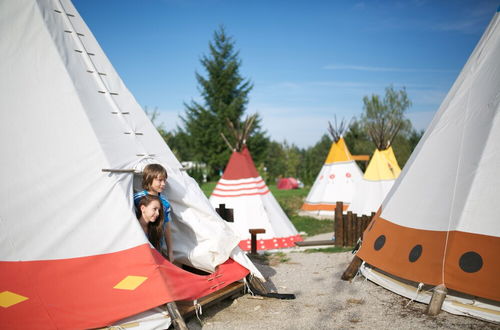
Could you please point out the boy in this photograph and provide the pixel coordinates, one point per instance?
(154, 179)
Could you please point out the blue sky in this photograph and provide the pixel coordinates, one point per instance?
(308, 60)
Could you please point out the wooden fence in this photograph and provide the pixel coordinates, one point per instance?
(349, 227)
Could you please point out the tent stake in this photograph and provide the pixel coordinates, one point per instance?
(176, 317)
(352, 269)
(437, 300)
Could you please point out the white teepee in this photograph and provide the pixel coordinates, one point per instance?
(439, 223)
(242, 189)
(72, 254)
(336, 182)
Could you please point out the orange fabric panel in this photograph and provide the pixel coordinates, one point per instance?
(471, 266)
(79, 292)
(322, 207)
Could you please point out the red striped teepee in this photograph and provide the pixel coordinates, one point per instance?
(243, 189)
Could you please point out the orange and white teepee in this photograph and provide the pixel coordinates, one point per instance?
(72, 253)
(336, 182)
(439, 223)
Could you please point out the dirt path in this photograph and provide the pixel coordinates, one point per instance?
(323, 301)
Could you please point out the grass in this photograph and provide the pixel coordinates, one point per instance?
(290, 201)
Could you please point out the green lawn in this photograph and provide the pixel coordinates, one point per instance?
(290, 201)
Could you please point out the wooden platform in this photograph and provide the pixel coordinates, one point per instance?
(233, 290)
(316, 243)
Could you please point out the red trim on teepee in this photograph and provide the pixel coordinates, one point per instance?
(257, 181)
(240, 166)
(272, 243)
(79, 293)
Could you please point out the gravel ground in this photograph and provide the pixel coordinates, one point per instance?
(324, 301)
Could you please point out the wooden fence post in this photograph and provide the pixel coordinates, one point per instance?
(339, 230)
(349, 229)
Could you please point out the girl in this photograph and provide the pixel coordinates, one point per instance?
(150, 215)
(154, 180)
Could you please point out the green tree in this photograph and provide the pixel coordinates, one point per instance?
(225, 96)
(383, 119)
(313, 159)
(383, 124)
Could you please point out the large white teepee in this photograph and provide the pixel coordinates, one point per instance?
(72, 254)
(439, 223)
(242, 189)
(381, 173)
(336, 182)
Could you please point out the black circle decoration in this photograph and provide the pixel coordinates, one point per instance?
(415, 253)
(471, 262)
(379, 242)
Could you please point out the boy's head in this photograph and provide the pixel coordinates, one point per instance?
(154, 177)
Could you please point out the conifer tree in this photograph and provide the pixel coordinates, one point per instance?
(225, 96)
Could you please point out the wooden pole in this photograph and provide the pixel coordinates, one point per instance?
(344, 227)
(253, 234)
(176, 317)
(339, 230)
(356, 227)
(349, 229)
(365, 221)
(437, 300)
(352, 269)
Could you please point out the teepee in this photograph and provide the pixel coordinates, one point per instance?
(336, 182)
(439, 223)
(242, 189)
(72, 254)
(380, 174)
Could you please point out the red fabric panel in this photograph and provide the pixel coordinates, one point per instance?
(78, 292)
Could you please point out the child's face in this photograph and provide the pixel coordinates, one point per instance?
(158, 184)
(151, 212)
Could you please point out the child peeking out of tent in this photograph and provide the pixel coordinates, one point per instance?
(149, 210)
(154, 179)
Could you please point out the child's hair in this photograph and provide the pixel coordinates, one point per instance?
(151, 172)
(155, 229)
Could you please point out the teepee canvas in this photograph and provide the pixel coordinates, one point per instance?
(72, 254)
(336, 182)
(242, 189)
(381, 173)
(439, 223)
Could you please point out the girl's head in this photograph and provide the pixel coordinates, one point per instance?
(154, 177)
(150, 211)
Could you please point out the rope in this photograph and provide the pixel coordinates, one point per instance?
(420, 286)
(198, 310)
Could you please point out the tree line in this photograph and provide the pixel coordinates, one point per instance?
(225, 95)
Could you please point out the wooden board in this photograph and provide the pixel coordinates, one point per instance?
(187, 308)
(315, 243)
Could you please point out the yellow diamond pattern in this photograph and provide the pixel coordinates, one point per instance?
(130, 282)
(8, 299)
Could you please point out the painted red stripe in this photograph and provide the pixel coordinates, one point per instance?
(272, 243)
(240, 184)
(259, 193)
(261, 187)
